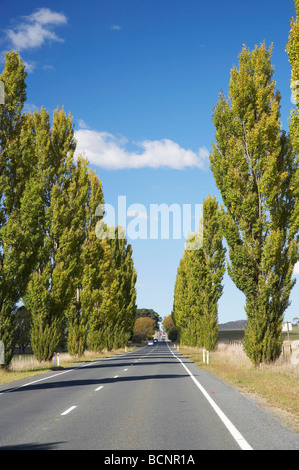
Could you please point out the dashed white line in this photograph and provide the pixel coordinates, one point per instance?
(99, 388)
(68, 410)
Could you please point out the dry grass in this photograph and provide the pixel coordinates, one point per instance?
(275, 386)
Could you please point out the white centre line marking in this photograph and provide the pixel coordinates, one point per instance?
(232, 429)
(115, 376)
(99, 388)
(68, 410)
(125, 369)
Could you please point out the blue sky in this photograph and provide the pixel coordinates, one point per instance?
(141, 78)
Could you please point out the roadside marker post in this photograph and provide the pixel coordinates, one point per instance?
(2, 353)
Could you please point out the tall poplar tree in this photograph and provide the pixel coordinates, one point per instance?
(293, 53)
(198, 286)
(20, 198)
(71, 215)
(253, 167)
(187, 305)
(50, 287)
(127, 289)
(102, 321)
(214, 269)
(88, 289)
(113, 309)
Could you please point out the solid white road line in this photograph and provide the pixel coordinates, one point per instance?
(68, 410)
(232, 429)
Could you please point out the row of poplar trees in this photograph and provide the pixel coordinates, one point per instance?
(198, 285)
(76, 287)
(256, 169)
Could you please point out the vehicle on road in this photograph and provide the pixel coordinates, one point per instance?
(151, 342)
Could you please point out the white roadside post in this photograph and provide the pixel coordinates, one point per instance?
(2, 353)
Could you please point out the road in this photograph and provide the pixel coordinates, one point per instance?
(148, 399)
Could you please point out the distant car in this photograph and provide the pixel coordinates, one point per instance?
(151, 342)
(155, 340)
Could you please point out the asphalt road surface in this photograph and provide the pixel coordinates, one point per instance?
(148, 399)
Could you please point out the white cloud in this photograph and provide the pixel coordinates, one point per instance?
(36, 29)
(46, 16)
(115, 27)
(108, 151)
(29, 108)
(48, 67)
(29, 66)
(82, 124)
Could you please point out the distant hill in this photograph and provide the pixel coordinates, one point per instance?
(233, 325)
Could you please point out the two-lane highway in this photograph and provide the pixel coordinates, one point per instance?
(149, 399)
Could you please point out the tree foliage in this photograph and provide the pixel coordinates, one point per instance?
(253, 166)
(149, 312)
(198, 285)
(74, 285)
(293, 53)
(113, 314)
(170, 328)
(144, 327)
(18, 200)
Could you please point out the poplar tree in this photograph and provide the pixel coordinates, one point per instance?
(293, 53)
(187, 305)
(198, 284)
(253, 167)
(127, 303)
(50, 287)
(103, 320)
(89, 294)
(75, 211)
(213, 271)
(20, 199)
(113, 309)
